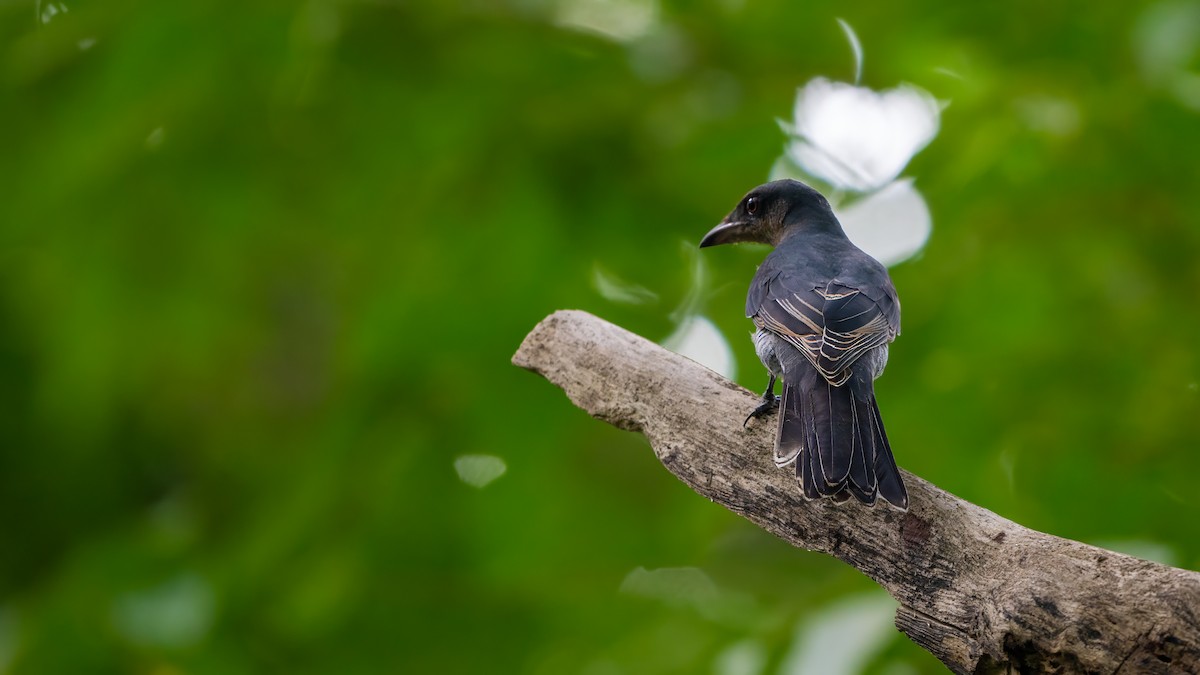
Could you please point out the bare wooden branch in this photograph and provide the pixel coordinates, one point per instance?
(983, 594)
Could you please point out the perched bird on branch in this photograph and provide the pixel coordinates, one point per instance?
(825, 313)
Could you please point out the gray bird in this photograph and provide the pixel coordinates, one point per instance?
(825, 312)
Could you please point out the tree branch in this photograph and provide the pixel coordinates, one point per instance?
(983, 594)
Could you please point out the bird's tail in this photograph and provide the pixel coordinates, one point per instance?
(835, 435)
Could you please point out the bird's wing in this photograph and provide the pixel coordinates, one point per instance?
(831, 324)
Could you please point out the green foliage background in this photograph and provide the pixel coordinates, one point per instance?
(263, 266)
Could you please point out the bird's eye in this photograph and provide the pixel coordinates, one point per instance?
(752, 205)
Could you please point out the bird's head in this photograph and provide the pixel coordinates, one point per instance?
(770, 211)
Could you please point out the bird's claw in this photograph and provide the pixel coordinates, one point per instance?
(768, 406)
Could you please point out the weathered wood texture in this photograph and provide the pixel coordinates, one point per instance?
(983, 594)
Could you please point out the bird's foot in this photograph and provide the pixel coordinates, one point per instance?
(770, 403)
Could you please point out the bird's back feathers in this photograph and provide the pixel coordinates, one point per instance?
(837, 309)
(834, 306)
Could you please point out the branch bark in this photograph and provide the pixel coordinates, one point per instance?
(983, 594)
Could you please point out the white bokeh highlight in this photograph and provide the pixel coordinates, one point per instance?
(855, 138)
(615, 289)
(891, 224)
(177, 613)
(618, 20)
(48, 11)
(841, 639)
(479, 470)
(689, 588)
(699, 339)
(1166, 41)
(746, 657)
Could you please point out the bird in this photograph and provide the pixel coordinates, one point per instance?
(824, 312)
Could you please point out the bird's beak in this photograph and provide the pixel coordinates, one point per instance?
(726, 232)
